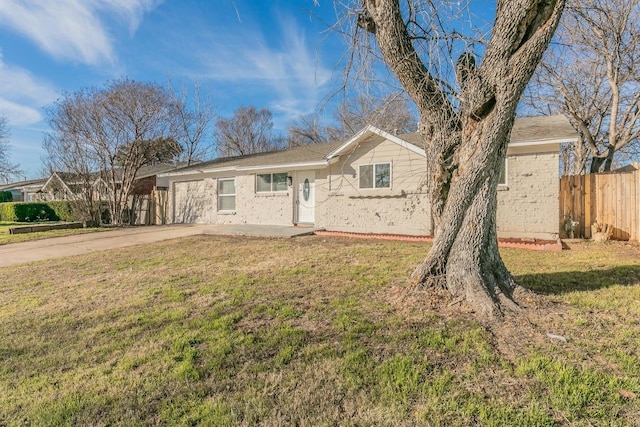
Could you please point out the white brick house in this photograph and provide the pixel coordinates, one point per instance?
(371, 183)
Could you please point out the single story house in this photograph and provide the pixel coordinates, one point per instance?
(24, 191)
(371, 183)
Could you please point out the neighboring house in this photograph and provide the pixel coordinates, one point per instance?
(24, 191)
(371, 183)
(69, 186)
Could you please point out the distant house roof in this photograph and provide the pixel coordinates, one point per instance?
(526, 131)
(23, 184)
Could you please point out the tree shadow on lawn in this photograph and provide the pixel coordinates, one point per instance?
(580, 281)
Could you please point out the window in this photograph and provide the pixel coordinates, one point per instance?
(375, 176)
(227, 194)
(502, 178)
(271, 182)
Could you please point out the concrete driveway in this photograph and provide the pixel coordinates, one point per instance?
(59, 247)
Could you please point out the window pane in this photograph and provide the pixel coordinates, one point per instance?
(226, 186)
(383, 175)
(366, 176)
(502, 178)
(279, 182)
(227, 203)
(263, 182)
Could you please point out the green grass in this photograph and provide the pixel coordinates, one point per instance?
(242, 331)
(5, 237)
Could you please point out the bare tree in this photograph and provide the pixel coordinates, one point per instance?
(390, 113)
(194, 117)
(591, 76)
(465, 125)
(110, 133)
(249, 131)
(7, 169)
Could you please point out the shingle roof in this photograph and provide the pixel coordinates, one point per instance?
(300, 154)
(525, 129)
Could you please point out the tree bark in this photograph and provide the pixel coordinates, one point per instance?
(466, 142)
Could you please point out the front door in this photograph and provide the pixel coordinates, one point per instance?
(306, 197)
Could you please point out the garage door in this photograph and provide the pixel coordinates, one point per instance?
(190, 202)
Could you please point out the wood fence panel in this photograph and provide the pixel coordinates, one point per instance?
(612, 198)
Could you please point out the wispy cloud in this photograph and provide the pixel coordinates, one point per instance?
(286, 65)
(73, 29)
(22, 95)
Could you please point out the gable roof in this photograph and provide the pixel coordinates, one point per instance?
(370, 131)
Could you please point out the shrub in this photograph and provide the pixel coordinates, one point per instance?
(62, 210)
(65, 210)
(6, 196)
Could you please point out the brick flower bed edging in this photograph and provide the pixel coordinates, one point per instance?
(503, 243)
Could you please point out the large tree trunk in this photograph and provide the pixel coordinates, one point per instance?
(466, 140)
(464, 258)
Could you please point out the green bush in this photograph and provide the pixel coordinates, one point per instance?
(39, 211)
(65, 210)
(6, 196)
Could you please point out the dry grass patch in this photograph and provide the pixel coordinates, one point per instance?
(223, 331)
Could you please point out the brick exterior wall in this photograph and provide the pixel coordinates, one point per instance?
(401, 209)
(528, 206)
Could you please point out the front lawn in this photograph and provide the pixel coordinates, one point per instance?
(226, 331)
(5, 237)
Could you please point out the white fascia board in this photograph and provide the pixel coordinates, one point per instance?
(289, 166)
(543, 142)
(371, 130)
(196, 171)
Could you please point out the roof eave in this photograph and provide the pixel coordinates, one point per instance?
(295, 166)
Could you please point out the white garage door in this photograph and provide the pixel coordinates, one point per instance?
(190, 202)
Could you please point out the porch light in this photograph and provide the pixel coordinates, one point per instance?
(290, 181)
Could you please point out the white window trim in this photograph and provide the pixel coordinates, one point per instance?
(225, 195)
(271, 184)
(374, 176)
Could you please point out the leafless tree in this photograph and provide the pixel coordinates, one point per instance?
(110, 133)
(194, 116)
(249, 131)
(7, 169)
(390, 113)
(591, 75)
(465, 123)
(306, 130)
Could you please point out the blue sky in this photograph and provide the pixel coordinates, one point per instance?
(271, 54)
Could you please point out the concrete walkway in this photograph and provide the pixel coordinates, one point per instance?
(59, 247)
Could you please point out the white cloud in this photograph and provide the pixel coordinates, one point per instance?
(289, 69)
(22, 95)
(72, 29)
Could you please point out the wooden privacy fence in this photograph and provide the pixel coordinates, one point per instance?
(609, 198)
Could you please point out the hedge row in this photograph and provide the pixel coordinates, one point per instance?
(62, 210)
